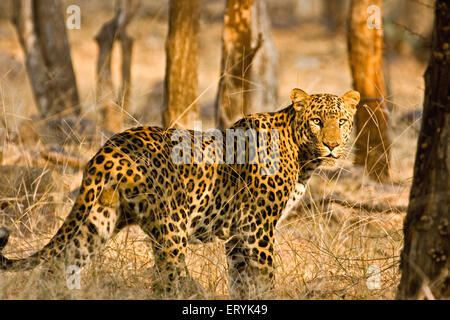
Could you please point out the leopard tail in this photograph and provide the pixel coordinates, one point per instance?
(53, 249)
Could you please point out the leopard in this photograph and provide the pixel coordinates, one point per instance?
(176, 186)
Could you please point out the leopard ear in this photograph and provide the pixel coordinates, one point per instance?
(351, 100)
(299, 98)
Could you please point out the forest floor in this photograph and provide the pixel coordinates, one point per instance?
(323, 251)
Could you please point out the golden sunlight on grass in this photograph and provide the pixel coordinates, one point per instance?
(322, 250)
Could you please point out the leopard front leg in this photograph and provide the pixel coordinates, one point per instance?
(250, 263)
(294, 199)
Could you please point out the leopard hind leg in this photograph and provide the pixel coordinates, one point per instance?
(164, 220)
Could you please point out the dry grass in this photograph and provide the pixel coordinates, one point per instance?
(321, 252)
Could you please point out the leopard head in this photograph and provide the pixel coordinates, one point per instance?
(323, 123)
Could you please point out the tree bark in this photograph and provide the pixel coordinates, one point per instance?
(180, 107)
(114, 107)
(365, 47)
(425, 262)
(239, 47)
(42, 33)
(264, 67)
(335, 14)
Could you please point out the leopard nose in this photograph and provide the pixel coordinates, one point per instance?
(331, 145)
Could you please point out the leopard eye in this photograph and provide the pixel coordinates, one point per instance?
(317, 121)
(342, 121)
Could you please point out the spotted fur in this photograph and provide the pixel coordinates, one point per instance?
(134, 180)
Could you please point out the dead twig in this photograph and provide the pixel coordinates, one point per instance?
(63, 159)
(315, 202)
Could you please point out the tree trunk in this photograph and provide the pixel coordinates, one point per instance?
(239, 47)
(365, 46)
(126, 45)
(114, 108)
(181, 108)
(264, 67)
(425, 259)
(42, 33)
(335, 14)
